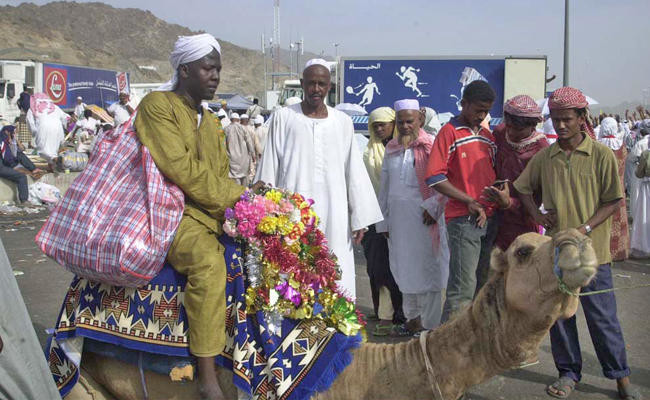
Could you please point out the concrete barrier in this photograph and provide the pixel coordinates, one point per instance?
(9, 191)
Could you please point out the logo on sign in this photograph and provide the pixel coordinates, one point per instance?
(56, 84)
(122, 82)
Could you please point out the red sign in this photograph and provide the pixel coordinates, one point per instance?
(56, 84)
(122, 83)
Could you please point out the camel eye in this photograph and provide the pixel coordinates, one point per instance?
(524, 252)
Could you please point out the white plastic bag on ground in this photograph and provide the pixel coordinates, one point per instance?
(42, 193)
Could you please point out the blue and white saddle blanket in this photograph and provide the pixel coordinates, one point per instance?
(293, 362)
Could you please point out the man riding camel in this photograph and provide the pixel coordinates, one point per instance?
(180, 135)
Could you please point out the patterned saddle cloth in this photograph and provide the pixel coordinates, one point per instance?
(292, 362)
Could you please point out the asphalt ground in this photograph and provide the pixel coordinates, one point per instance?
(43, 284)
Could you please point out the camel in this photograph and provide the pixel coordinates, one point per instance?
(502, 328)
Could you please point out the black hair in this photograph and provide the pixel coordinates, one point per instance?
(479, 91)
(582, 112)
(88, 113)
(521, 121)
(255, 101)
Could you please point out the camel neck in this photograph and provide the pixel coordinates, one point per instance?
(483, 341)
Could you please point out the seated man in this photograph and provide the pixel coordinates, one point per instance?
(14, 165)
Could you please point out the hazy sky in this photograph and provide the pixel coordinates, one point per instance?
(610, 39)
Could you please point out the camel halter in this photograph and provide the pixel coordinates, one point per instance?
(437, 394)
(565, 289)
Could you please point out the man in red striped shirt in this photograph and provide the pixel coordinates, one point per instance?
(461, 165)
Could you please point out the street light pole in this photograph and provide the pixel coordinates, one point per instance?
(566, 43)
(336, 50)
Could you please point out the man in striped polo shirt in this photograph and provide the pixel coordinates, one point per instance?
(461, 165)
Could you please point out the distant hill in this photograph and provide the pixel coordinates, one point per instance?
(98, 35)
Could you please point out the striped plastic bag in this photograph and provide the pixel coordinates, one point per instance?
(118, 218)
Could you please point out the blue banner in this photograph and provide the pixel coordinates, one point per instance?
(435, 83)
(63, 83)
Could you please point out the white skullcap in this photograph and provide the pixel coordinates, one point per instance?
(221, 113)
(79, 98)
(234, 116)
(244, 116)
(316, 61)
(188, 49)
(292, 100)
(406, 104)
(259, 120)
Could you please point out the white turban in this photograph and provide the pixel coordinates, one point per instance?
(244, 116)
(188, 49)
(234, 116)
(259, 120)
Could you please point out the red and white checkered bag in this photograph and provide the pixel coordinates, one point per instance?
(118, 218)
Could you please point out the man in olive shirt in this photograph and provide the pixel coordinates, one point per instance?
(182, 138)
(580, 188)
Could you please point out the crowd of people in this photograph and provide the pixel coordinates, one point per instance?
(449, 197)
(59, 140)
(428, 203)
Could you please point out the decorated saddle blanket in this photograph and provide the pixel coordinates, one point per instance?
(291, 361)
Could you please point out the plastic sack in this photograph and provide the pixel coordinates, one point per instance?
(118, 218)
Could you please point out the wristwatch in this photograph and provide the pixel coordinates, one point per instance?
(587, 228)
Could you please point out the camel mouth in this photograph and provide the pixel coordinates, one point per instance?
(576, 258)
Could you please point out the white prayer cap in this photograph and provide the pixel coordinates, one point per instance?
(221, 113)
(292, 100)
(244, 116)
(188, 49)
(406, 104)
(79, 98)
(259, 120)
(234, 116)
(316, 61)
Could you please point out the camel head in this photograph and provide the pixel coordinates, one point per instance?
(531, 284)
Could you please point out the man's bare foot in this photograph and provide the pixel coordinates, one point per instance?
(208, 386)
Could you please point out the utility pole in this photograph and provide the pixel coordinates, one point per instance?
(566, 44)
(276, 38)
(266, 87)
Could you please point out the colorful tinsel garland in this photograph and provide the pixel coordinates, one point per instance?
(290, 271)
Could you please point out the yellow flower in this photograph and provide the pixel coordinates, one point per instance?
(268, 225)
(284, 225)
(274, 196)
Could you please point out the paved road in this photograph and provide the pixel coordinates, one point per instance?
(43, 284)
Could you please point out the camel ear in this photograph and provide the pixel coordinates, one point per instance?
(498, 261)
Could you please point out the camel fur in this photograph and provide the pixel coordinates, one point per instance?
(503, 327)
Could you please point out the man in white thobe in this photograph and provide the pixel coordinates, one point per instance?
(121, 110)
(414, 220)
(79, 108)
(240, 149)
(310, 150)
(633, 159)
(223, 117)
(46, 121)
(261, 132)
